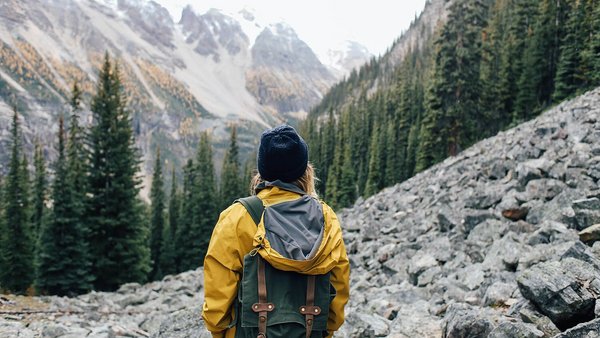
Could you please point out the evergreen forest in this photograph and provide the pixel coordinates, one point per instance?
(86, 227)
(493, 65)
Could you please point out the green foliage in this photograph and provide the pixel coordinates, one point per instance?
(157, 219)
(567, 75)
(200, 212)
(493, 64)
(62, 262)
(231, 181)
(118, 236)
(16, 241)
(167, 258)
(39, 190)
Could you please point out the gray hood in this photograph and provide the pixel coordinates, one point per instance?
(294, 228)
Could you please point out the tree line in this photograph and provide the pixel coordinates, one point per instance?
(87, 228)
(493, 65)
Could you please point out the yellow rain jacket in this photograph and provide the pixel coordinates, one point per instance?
(236, 234)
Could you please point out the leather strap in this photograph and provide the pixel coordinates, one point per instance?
(309, 310)
(262, 307)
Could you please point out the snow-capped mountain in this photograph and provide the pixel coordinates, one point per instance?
(346, 57)
(196, 72)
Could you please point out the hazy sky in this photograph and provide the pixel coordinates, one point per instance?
(325, 23)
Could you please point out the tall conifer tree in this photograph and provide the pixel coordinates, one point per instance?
(569, 76)
(39, 190)
(231, 183)
(157, 219)
(118, 236)
(63, 265)
(204, 207)
(17, 244)
(184, 224)
(167, 258)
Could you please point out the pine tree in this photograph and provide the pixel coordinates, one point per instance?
(184, 224)
(39, 190)
(536, 83)
(374, 177)
(231, 184)
(167, 257)
(118, 237)
(569, 78)
(17, 245)
(590, 51)
(347, 189)
(595, 46)
(77, 181)
(157, 219)
(63, 264)
(203, 208)
(453, 100)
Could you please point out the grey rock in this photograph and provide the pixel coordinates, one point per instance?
(557, 293)
(498, 294)
(419, 264)
(532, 169)
(545, 189)
(583, 253)
(529, 314)
(474, 217)
(516, 330)
(465, 321)
(183, 324)
(484, 199)
(446, 220)
(53, 331)
(550, 232)
(585, 330)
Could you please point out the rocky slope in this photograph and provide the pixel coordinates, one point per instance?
(201, 72)
(500, 241)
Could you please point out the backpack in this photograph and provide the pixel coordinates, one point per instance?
(274, 303)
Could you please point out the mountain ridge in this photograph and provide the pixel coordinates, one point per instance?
(181, 77)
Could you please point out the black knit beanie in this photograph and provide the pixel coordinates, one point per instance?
(282, 154)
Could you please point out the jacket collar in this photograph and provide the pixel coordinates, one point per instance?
(280, 184)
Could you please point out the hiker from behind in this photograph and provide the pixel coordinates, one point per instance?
(276, 264)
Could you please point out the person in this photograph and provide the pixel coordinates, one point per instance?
(297, 233)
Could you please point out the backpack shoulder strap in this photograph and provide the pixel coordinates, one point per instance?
(254, 206)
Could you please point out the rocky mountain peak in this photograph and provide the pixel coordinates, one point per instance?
(279, 46)
(346, 57)
(150, 19)
(212, 31)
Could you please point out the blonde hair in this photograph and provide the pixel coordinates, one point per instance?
(305, 182)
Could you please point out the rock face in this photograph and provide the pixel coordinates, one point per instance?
(438, 255)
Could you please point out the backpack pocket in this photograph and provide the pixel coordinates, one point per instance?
(287, 292)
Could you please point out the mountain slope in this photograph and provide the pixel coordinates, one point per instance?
(203, 72)
(447, 253)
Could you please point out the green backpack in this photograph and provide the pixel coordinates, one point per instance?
(274, 303)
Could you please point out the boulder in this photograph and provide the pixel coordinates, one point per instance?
(559, 292)
(590, 235)
(465, 321)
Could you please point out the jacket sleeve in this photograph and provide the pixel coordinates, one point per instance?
(222, 268)
(340, 279)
